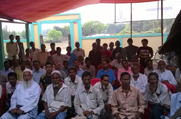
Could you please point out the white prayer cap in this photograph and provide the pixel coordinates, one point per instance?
(161, 60)
(27, 70)
(56, 72)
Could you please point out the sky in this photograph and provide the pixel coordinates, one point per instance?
(99, 12)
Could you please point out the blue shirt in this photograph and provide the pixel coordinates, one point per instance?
(80, 72)
(72, 57)
(5, 73)
(109, 72)
(175, 103)
(37, 75)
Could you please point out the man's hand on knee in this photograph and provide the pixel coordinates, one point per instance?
(138, 115)
(13, 111)
(19, 112)
(108, 107)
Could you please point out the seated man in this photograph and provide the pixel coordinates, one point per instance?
(6, 69)
(11, 85)
(138, 80)
(157, 95)
(57, 66)
(88, 67)
(106, 90)
(24, 99)
(150, 67)
(116, 63)
(88, 101)
(19, 72)
(125, 68)
(106, 70)
(176, 101)
(165, 75)
(57, 98)
(73, 81)
(127, 102)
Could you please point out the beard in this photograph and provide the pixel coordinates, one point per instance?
(56, 85)
(104, 87)
(27, 84)
(87, 86)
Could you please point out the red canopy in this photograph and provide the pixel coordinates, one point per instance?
(33, 10)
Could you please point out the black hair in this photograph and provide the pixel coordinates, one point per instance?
(129, 39)
(98, 39)
(52, 44)
(71, 68)
(87, 59)
(124, 60)
(106, 60)
(104, 44)
(22, 61)
(104, 75)
(5, 62)
(12, 74)
(148, 60)
(17, 36)
(153, 73)
(65, 61)
(48, 63)
(75, 60)
(49, 57)
(144, 40)
(36, 61)
(124, 73)
(58, 48)
(11, 35)
(69, 47)
(85, 74)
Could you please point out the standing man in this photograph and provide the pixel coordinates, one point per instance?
(60, 57)
(42, 56)
(34, 51)
(21, 48)
(12, 49)
(111, 47)
(53, 51)
(88, 101)
(73, 81)
(106, 90)
(118, 49)
(106, 70)
(24, 99)
(95, 56)
(157, 94)
(98, 42)
(37, 71)
(130, 49)
(127, 101)
(57, 99)
(71, 55)
(144, 52)
(106, 53)
(6, 69)
(78, 51)
(88, 67)
(78, 69)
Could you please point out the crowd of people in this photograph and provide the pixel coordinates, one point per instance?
(111, 83)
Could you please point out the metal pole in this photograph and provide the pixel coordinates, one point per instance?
(161, 22)
(131, 21)
(2, 55)
(115, 13)
(27, 35)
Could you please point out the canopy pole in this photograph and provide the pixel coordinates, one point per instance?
(161, 22)
(115, 13)
(2, 55)
(131, 21)
(27, 35)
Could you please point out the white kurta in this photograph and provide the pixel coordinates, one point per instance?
(141, 82)
(73, 85)
(26, 97)
(166, 76)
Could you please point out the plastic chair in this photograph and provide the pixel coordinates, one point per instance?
(95, 80)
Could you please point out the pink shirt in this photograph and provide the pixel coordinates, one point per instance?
(127, 106)
(120, 71)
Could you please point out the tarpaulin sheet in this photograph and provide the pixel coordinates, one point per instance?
(33, 10)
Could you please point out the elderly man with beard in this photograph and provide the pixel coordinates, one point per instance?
(157, 95)
(127, 102)
(106, 90)
(57, 98)
(24, 99)
(88, 101)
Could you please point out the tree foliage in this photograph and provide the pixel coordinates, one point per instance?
(54, 35)
(65, 30)
(93, 27)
